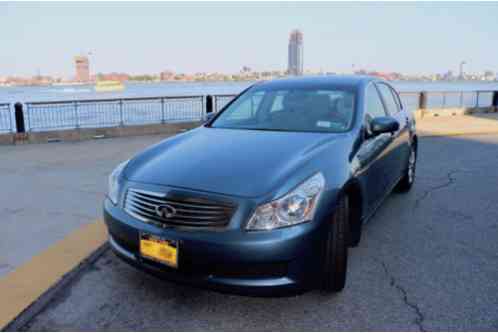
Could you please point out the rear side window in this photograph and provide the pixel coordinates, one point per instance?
(278, 101)
(389, 98)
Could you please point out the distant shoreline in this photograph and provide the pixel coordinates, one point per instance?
(77, 84)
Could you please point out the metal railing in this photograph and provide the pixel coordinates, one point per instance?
(461, 99)
(447, 99)
(6, 125)
(57, 115)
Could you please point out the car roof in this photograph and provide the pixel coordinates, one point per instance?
(351, 81)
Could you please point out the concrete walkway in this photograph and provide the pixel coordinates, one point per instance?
(50, 190)
(478, 123)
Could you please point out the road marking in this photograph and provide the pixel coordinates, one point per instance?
(21, 287)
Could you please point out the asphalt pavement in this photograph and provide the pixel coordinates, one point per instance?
(428, 260)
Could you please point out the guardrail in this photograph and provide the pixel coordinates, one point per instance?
(41, 116)
(6, 125)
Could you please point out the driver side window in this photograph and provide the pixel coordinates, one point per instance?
(373, 106)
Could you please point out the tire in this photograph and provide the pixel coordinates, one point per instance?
(405, 184)
(336, 249)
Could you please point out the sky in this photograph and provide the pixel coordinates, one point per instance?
(149, 37)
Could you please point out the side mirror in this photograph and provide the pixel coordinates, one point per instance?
(381, 125)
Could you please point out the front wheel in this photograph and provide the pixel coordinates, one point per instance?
(406, 183)
(336, 249)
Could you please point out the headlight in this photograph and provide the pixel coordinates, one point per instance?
(296, 207)
(113, 192)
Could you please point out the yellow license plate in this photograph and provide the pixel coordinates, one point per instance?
(160, 250)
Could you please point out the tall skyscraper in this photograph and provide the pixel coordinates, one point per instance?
(295, 66)
(82, 68)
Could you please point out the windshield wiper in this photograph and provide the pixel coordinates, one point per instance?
(268, 129)
(261, 129)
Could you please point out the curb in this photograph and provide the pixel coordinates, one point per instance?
(45, 299)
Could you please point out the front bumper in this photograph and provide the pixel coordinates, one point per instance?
(266, 263)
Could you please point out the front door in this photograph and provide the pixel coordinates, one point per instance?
(401, 138)
(374, 153)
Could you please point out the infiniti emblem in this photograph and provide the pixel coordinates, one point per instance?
(165, 211)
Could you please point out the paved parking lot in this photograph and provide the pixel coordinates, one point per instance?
(427, 261)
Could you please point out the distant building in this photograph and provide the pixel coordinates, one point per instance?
(166, 76)
(295, 66)
(82, 68)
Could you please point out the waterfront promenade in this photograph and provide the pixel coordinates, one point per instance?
(427, 260)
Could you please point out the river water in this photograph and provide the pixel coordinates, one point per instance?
(78, 92)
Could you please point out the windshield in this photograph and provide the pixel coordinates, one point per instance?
(291, 109)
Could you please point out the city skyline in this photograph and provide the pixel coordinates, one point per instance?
(150, 38)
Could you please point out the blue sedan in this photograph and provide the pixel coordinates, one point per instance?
(268, 195)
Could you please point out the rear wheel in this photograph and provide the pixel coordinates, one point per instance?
(406, 183)
(336, 249)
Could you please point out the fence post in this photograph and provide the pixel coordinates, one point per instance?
(209, 104)
(422, 102)
(494, 106)
(76, 115)
(477, 99)
(10, 118)
(121, 120)
(444, 100)
(163, 120)
(19, 113)
(461, 99)
(203, 107)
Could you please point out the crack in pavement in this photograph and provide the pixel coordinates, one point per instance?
(392, 281)
(451, 180)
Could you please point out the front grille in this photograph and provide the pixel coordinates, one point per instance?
(192, 212)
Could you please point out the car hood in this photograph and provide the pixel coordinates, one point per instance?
(246, 163)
